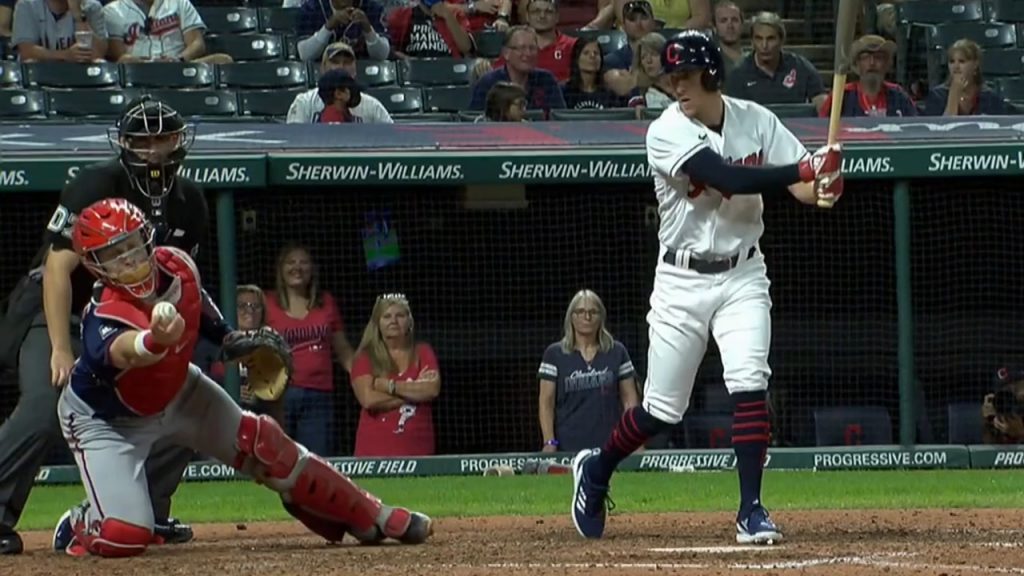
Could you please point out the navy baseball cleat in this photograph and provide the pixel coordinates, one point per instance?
(757, 528)
(590, 501)
(172, 531)
(63, 534)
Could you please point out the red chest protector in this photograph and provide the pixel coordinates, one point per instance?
(149, 389)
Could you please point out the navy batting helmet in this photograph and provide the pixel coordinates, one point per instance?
(695, 50)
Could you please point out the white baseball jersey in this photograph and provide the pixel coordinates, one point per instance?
(699, 218)
(165, 34)
(307, 106)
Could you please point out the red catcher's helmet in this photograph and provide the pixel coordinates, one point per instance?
(115, 241)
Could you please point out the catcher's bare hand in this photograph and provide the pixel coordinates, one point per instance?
(168, 332)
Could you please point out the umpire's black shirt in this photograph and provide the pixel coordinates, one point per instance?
(181, 218)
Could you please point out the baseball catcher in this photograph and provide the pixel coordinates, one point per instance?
(134, 386)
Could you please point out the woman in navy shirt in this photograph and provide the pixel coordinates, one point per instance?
(585, 88)
(586, 380)
(964, 92)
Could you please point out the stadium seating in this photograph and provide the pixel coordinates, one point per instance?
(609, 40)
(1006, 11)
(270, 74)
(489, 43)
(208, 103)
(168, 75)
(988, 35)
(89, 104)
(1011, 88)
(71, 75)
(22, 104)
(607, 114)
(708, 430)
(1009, 62)
(247, 47)
(852, 425)
(424, 117)
(10, 74)
(229, 20)
(964, 424)
(269, 104)
(435, 72)
(279, 20)
(399, 100)
(447, 98)
(932, 12)
(372, 73)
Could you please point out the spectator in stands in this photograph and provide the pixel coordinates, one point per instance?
(586, 380)
(555, 54)
(396, 379)
(682, 13)
(6, 17)
(585, 88)
(161, 31)
(520, 54)
(964, 93)
(358, 23)
(1001, 410)
(309, 320)
(653, 89)
(772, 75)
(339, 93)
(871, 59)
(59, 31)
(430, 29)
(251, 311)
(579, 14)
(506, 102)
(638, 21)
(307, 107)
(729, 31)
(488, 14)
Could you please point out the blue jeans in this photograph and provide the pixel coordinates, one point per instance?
(309, 418)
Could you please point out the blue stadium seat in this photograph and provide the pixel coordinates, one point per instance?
(423, 118)
(1011, 88)
(477, 116)
(267, 103)
(210, 103)
(609, 40)
(1006, 11)
(596, 114)
(21, 104)
(852, 426)
(10, 74)
(447, 98)
(229, 20)
(988, 35)
(708, 430)
(72, 75)
(965, 423)
(168, 75)
(1009, 62)
(279, 20)
(436, 72)
(263, 3)
(805, 110)
(83, 103)
(489, 43)
(931, 12)
(247, 47)
(271, 74)
(373, 73)
(400, 100)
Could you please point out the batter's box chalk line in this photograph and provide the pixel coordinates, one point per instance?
(716, 549)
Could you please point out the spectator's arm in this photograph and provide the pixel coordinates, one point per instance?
(311, 48)
(28, 38)
(700, 15)
(6, 16)
(628, 393)
(95, 22)
(458, 25)
(377, 45)
(423, 389)
(370, 399)
(344, 350)
(546, 410)
(195, 45)
(605, 19)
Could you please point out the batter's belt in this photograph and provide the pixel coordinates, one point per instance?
(675, 258)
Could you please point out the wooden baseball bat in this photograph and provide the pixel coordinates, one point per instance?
(846, 24)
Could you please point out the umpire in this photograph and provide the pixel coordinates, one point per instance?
(151, 140)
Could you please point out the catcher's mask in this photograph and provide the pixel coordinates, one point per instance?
(115, 242)
(151, 140)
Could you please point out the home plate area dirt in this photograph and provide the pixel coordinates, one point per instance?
(890, 542)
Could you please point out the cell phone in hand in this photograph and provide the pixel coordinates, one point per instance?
(83, 38)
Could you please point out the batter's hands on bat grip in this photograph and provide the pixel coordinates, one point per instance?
(825, 168)
(168, 332)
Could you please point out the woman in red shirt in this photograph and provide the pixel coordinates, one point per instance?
(395, 380)
(308, 319)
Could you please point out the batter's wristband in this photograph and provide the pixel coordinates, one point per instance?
(146, 347)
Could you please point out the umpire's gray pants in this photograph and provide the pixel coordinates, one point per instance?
(27, 437)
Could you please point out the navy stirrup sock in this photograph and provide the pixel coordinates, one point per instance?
(634, 428)
(750, 429)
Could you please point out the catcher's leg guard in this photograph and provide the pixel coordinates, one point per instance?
(114, 539)
(323, 499)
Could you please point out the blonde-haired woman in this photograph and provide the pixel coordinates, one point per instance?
(395, 378)
(964, 93)
(653, 88)
(586, 380)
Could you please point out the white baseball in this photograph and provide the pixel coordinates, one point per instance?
(164, 311)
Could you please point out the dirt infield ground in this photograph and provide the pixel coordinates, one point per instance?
(932, 542)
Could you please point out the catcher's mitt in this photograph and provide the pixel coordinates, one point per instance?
(266, 357)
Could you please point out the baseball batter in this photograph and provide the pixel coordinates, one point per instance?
(713, 157)
(134, 386)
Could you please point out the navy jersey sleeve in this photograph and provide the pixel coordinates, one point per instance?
(549, 363)
(625, 368)
(78, 194)
(97, 336)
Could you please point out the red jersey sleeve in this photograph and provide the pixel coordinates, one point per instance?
(333, 314)
(361, 366)
(426, 356)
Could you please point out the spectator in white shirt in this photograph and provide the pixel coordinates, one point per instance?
(59, 30)
(307, 106)
(164, 31)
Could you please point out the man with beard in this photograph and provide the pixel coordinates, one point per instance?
(871, 59)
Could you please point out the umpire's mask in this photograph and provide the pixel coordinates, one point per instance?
(151, 140)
